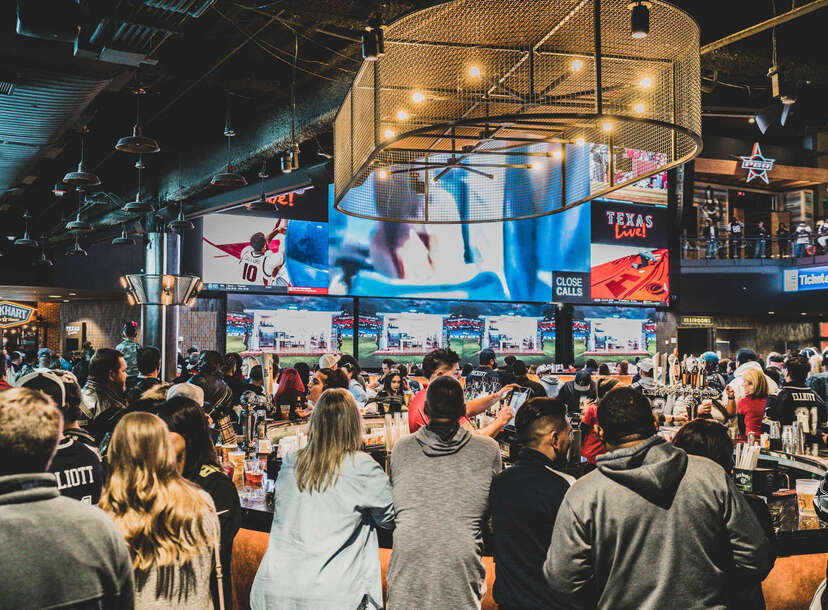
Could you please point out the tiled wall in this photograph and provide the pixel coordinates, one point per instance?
(104, 320)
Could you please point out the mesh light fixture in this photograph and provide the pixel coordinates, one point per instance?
(490, 110)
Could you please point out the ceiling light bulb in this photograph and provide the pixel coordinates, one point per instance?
(576, 65)
(557, 155)
(418, 97)
(535, 165)
(402, 115)
(639, 19)
(639, 107)
(607, 126)
(389, 133)
(474, 72)
(579, 141)
(646, 82)
(751, 120)
(383, 174)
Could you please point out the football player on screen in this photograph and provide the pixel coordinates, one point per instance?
(262, 266)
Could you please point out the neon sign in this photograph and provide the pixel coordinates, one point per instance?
(757, 164)
(285, 200)
(14, 314)
(629, 224)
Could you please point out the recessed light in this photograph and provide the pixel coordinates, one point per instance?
(607, 126)
(474, 72)
(65, 300)
(417, 97)
(579, 141)
(576, 65)
(73, 294)
(402, 115)
(389, 133)
(639, 108)
(55, 296)
(556, 154)
(751, 120)
(646, 82)
(383, 174)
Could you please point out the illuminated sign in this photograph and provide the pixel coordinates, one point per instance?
(810, 278)
(570, 287)
(757, 164)
(628, 223)
(285, 200)
(696, 321)
(14, 314)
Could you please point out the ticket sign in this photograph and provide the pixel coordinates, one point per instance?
(15, 314)
(811, 278)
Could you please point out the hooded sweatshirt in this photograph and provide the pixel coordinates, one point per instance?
(551, 384)
(441, 497)
(653, 528)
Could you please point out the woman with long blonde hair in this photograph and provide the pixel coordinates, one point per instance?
(170, 525)
(330, 498)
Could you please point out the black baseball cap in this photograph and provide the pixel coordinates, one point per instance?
(583, 380)
(487, 355)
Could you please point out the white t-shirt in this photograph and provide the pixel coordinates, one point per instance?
(258, 269)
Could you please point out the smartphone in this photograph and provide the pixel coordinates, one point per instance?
(518, 398)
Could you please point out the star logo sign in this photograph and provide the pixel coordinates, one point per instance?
(757, 164)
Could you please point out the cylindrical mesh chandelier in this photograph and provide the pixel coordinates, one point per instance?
(489, 110)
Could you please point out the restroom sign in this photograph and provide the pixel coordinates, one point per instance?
(14, 314)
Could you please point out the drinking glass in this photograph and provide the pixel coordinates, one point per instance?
(253, 475)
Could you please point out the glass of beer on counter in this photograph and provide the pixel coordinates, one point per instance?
(253, 475)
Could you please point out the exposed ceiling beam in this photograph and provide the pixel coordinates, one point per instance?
(765, 25)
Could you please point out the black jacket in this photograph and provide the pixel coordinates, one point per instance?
(228, 507)
(572, 397)
(783, 407)
(524, 502)
(135, 386)
(78, 471)
(217, 394)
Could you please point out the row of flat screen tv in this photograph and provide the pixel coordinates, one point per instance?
(303, 328)
(604, 251)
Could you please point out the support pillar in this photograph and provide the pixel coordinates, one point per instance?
(162, 255)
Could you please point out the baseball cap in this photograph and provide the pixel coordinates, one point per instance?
(328, 361)
(710, 357)
(745, 355)
(48, 383)
(583, 380)
(646, 365)
(486, 355)
(187, 390)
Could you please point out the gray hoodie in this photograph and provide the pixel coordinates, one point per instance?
(653, 528)
(441, 497)
(551, 384)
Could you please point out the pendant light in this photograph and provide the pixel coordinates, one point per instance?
(290, 158)
(640, 18)
(76, 249)
(26, 241)
(82, 177)
(180, 224)
(137, 143)
(43, 261)
(137, 206)
(124, 239)
(78, 226)
(228, 178)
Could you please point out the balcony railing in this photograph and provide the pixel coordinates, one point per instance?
(724, 248)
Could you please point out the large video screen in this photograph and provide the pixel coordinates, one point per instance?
(601, 251)
(612, 334)
(259, 251)
(404, 330)
(298, 329)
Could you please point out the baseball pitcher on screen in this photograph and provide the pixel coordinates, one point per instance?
(261, 265)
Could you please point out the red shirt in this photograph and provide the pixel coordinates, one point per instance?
(416, 412)
(753, 410)
(4, 385)
(591, 445)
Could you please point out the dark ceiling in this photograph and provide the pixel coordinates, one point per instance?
(198, 58)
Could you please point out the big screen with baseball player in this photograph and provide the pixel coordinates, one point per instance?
(255, 252)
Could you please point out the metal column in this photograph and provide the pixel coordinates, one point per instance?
(160, 322)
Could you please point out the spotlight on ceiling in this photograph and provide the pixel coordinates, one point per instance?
(779, 108)
(290, 159)
(26, 241)
(180, 224)
(639, 18)
(124, 239)
(76, 249)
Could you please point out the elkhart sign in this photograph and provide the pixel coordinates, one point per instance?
(15, 314)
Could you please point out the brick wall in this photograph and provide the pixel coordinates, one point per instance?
(199, 328)
(50, 312)
(103, 319)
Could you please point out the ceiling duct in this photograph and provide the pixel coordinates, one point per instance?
(49, 19)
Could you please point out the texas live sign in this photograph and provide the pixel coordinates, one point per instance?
(14, 314)
(810, 278)
(628, 224)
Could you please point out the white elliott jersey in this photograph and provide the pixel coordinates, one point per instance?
(258, 269)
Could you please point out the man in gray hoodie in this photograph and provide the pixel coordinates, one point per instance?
(441, 476)
(651, 527)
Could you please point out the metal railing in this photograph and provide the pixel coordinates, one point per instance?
(701, 248)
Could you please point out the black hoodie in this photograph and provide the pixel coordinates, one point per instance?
(653, 528)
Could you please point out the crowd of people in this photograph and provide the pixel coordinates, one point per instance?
(736, 242)
(118, 477)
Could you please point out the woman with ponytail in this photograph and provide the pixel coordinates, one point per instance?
(170, 525)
